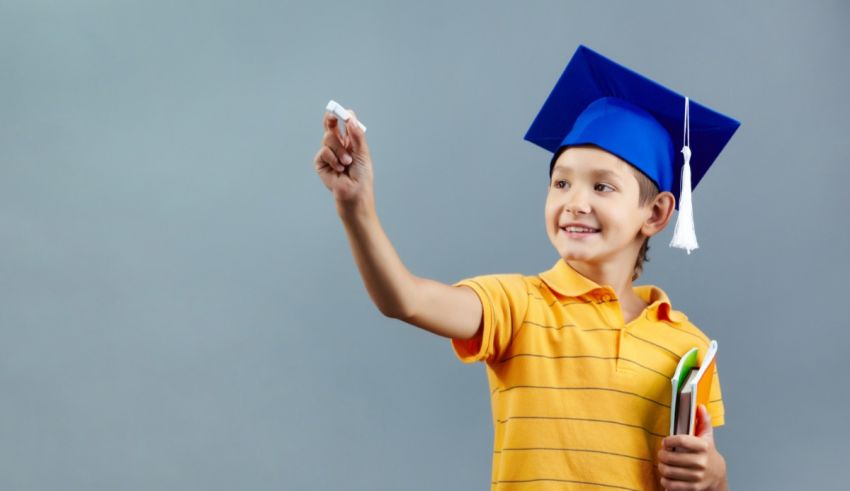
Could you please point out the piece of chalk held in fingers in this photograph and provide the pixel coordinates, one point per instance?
(342, 115)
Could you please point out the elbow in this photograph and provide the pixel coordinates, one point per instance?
(403, 311)
(392, 310)
(396, 313)
(388, 313)
(398, 304)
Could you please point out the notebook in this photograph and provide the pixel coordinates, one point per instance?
(691, 385)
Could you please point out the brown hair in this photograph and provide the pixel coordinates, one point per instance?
(648, 192)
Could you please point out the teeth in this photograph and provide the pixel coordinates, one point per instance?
(579, 229)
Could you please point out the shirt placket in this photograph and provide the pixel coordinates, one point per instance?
(613, 316)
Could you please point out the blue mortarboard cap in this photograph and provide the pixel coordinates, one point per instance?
(597, 101)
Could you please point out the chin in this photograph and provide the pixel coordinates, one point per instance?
(574, 255)
(582, 258)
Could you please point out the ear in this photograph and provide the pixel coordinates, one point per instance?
(661, 210)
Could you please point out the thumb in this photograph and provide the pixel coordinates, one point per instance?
(704, 428)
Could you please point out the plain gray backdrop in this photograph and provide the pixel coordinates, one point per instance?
(179, 307)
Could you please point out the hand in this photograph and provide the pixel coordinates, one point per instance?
(696, 465)
(344, 163)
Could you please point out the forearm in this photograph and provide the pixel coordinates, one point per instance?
(389, 283)
(444, 310)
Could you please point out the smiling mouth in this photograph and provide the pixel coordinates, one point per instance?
(580, 230)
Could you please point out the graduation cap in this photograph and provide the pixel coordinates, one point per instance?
(597, 101)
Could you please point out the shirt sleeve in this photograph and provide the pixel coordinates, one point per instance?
(715, 401)
(504, 300)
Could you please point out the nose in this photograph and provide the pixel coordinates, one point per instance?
(576, 203)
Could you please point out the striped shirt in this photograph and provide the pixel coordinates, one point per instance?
(580, 399)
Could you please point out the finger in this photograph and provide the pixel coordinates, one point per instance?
(678, 459)
(326, 157)
(331, 125)
(678, 473)
(329, 122)
(331, 141)
(685, 443)
(358, 138)
(704, 428)
(676, 485)
(321, 163)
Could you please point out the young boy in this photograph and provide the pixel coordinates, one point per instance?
(578, 360)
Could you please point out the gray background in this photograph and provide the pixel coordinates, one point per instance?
(179, 308)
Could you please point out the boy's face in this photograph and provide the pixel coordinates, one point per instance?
(595, 189)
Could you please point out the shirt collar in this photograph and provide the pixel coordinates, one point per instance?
(568, 282)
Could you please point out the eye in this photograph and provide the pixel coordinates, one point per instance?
(603, 188)
(558, 184)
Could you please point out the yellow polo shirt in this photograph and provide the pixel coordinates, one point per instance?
(580, 400)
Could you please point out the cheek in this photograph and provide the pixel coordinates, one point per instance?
(551, 213)
(550, 221)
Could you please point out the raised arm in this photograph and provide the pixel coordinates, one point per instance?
(345, 167)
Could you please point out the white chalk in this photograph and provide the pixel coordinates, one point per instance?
(342, 115)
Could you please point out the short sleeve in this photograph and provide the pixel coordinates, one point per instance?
(504, 300)
(715, 401)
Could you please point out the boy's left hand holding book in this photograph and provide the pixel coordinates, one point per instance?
(696, 465)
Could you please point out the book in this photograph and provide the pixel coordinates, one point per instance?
(691, 385)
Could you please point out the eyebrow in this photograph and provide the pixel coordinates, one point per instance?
(596, 173)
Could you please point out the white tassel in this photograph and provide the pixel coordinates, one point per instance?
(684, 235)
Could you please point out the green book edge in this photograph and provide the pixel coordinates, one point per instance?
(686, 363)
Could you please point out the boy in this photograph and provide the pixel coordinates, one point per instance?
(578, 360)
